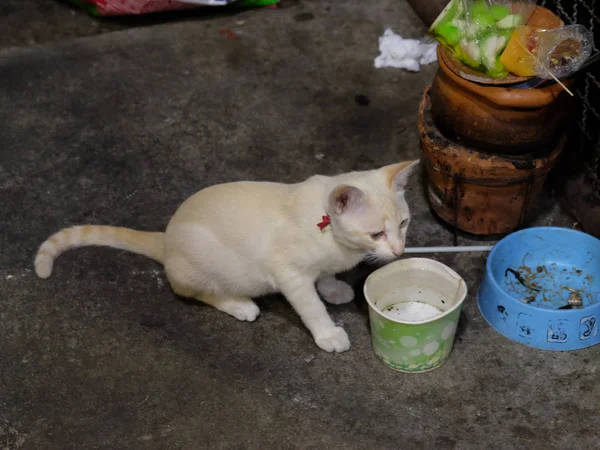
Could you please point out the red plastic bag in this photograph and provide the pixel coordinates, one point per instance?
(128, 7)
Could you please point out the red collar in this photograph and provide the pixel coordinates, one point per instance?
(324, 223)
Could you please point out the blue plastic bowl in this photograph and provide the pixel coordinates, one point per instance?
(534, 272)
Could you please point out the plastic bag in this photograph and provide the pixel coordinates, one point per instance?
(544, 53)
(477, 31)
(129, 7)
(561, 51)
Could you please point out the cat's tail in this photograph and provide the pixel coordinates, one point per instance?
(145, 243)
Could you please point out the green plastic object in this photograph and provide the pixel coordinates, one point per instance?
(257, 3)
(87, 7)
(477, 31)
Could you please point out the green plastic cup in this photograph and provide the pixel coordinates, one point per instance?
(414, 306)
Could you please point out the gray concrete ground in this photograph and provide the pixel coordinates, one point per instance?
(38, 22)
(121, 128)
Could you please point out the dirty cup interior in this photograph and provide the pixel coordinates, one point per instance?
(414, 306)
(415, 290)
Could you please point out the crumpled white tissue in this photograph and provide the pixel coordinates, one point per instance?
(409, 54)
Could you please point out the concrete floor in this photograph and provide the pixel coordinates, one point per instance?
(119, 128)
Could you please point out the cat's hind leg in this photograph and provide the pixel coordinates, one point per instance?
(242, 308)
(184, 281)
(335, 291)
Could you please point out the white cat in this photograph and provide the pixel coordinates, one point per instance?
(234, 241)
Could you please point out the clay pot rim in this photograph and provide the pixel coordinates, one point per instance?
(469, 74)
(543, 164)
(505, 96)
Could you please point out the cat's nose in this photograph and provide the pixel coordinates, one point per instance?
(398, 251)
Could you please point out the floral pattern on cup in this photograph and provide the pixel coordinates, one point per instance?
(414, 348)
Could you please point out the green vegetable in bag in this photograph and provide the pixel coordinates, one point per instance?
(477, 31)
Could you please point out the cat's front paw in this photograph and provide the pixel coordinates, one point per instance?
(335, 291)
(334, 340)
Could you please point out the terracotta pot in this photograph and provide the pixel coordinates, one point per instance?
(476, 192)
(498, 119)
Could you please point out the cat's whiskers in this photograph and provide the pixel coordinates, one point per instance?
(373, 258)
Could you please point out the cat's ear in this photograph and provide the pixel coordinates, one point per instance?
(345, 198)
(397, 175)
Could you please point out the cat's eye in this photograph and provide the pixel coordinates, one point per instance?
(377, 236)
(403, 223)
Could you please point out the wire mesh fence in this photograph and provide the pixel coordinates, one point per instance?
(585, 12)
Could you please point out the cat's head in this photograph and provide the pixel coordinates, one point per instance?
(369, 212)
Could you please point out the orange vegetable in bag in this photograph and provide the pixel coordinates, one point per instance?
(520, 55)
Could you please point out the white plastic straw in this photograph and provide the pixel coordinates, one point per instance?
(480, 248)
